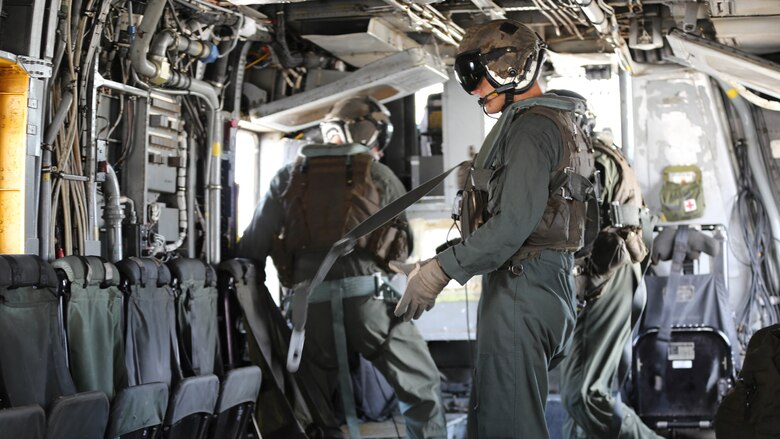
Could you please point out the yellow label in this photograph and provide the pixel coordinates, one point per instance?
(732, 93)
(216, 149)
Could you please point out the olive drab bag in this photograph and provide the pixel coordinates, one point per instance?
(751, 410)
(345, 195)
(682, 194)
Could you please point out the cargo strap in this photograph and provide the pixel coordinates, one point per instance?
(345, 380)
(342, 247)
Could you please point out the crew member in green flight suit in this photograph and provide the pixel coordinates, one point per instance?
(527, 193)
(309, 206)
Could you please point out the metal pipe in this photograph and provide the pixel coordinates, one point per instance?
(168, 38)
(193, 169)
(44, 198)
(140, 47)
(626, 115)
(113, 214)
(213, 188)
(181, 203)
(594, 14)
(100, 81)
(757, 165)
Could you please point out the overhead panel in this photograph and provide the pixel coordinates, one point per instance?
(390, 78)
(726, 62)
(759, 35)
(359, 49)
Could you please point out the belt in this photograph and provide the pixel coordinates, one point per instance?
(371, 285)
(515, 264)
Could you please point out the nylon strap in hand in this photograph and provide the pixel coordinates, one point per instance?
(342, 247)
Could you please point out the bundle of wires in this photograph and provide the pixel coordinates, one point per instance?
(757, 236)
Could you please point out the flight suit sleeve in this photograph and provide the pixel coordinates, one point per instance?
(267, 222)
(530, 152)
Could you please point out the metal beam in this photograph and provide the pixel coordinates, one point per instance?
(490, 8)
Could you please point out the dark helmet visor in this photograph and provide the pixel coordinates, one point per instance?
(469, 70)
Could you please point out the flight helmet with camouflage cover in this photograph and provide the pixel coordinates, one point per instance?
(507, 53)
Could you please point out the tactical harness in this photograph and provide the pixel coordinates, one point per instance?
(344, 196)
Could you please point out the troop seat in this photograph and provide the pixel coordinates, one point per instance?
(27, 421)
(236, 402)
(93, 323)
(137, 412)
(267, 337)
(195, 286)
(33, 364)
(195, 283)
(191, 407)
(83, 415)
(152, 347)
(94, 318)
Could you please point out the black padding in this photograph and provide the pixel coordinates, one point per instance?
(192, 271)
(88, 270)
(6, 276)
(144, 271)
(83, 416)
(26, 271)
(239, 386)
(243, 270)
(136, 408)
(26, 422)
(193, 395)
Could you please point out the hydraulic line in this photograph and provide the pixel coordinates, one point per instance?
(113, 214)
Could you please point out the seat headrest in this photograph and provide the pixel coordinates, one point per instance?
(192, 271)
(26, 271)
(146, 272)
(240, 269)
(698, 242)
(88, 270)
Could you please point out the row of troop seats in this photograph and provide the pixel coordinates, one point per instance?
(117, 351)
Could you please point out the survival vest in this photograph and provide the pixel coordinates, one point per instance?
(327, 196)
(563, 222)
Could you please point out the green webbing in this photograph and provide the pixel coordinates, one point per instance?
(345, 380)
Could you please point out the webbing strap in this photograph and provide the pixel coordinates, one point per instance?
(196, 361)
(345, 380)
(344, 246)
(353, 287)
(664, 336)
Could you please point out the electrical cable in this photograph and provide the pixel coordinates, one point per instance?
(757, 238)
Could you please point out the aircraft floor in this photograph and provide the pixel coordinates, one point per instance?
(456, 429)
(395, 428)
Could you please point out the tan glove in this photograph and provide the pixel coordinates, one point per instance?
(426, 279)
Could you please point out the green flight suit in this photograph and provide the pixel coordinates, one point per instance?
(395, 347)
(602, 331)
(525, 319)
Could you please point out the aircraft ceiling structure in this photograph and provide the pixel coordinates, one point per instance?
(354, 34)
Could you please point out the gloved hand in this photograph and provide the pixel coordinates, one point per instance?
(426, 279)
